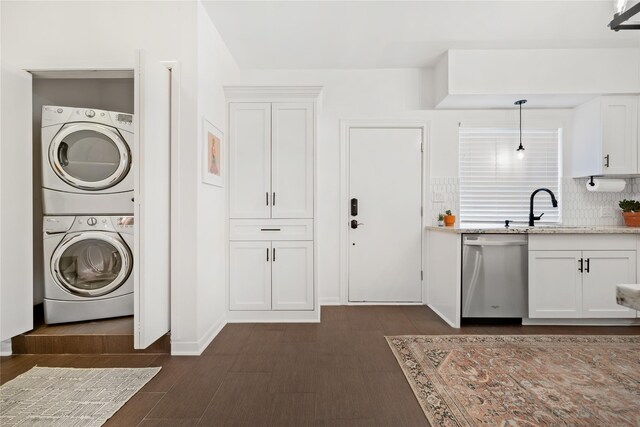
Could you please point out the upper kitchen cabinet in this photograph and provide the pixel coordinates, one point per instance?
(271, 160)
(606, 137)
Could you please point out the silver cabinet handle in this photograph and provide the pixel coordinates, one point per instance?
(274, 254)
(606, 161)
(273, 199)
(267, 197)
(267, 254)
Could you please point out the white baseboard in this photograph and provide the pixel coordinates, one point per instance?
(195, 348)
(282, 316)
(329, 301)
(5, 348)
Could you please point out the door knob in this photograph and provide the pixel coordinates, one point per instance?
(355, 224)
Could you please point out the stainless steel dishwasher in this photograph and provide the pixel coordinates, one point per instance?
(494, 276)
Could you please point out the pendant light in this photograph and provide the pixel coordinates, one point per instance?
(520, 149)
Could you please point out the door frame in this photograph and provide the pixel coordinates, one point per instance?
(371, 123)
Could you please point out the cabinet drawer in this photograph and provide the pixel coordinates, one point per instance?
(271, 229)
(582, 242)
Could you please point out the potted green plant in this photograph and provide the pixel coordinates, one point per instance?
(449, 219)
(440, 220)
(630, 212)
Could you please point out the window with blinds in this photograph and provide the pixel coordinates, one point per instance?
(496, 185)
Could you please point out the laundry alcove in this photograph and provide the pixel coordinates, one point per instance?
(143, 90)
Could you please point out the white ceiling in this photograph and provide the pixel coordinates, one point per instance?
(398, 34)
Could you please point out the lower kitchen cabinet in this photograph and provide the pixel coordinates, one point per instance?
(271, 275)
(606, 270)
(555, 284)
(579, 284)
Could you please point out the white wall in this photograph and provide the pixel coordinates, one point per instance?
(45, 34)
(215, 64)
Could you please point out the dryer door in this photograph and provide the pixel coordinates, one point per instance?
(91, 263)
(89, 156)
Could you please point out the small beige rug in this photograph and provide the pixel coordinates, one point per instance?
(69, 396)
(523, 380)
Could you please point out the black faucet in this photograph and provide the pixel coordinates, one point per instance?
(533, 218)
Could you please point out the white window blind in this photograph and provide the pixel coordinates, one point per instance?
(495, 185)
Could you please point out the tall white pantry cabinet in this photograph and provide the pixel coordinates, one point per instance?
(271, 204)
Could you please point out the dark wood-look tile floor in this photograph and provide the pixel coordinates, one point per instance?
(336, 373)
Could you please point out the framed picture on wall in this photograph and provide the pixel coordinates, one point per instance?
(213, 154)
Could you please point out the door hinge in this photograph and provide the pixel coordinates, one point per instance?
(422, 147)
(421, 275)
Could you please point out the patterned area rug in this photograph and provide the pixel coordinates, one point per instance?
(68, 396)
(535, 380)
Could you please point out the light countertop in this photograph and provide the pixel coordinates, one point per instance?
(540, 229)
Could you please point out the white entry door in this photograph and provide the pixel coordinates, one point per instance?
(385, 248)
(152, 200)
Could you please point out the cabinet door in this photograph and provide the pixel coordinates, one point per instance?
(292, 275)
(619, 134)
(250, 275)
(250, 160)
(606, 270)
(292, 160)
(555, 284)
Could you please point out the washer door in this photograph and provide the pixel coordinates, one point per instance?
(91, 263)
(89, 156)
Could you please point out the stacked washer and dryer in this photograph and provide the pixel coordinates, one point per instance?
(87, 196)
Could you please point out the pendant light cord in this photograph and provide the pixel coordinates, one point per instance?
(520, 127)
(519, 103)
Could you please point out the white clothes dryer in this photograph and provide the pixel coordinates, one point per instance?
(88, 267)
(86, 161)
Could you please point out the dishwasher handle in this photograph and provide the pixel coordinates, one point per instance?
(495, 243)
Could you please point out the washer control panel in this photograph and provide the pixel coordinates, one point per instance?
(67, 224)
(123, 223)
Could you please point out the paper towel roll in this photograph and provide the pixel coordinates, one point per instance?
(606, 185)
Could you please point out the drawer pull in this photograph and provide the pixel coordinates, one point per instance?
(269, 229)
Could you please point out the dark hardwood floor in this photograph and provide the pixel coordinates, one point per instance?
(340, 372)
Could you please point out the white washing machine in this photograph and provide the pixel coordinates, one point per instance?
(88, 267)
(86, 161)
